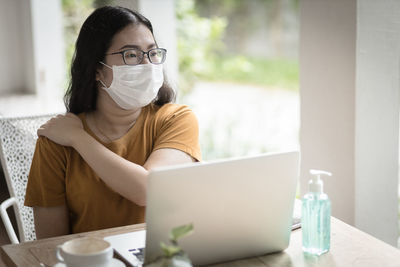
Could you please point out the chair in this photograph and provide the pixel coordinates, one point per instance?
(17, 144)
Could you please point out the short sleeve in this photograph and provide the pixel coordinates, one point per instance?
(179, 129)
(46, 182)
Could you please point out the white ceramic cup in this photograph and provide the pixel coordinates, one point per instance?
(86, 251)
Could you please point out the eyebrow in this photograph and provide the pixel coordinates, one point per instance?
(137, 47)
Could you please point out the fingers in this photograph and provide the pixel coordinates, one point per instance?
(43, 127)
(40, 131)
(60, 124)
(71, 115)
(67, 115)
(56, 119)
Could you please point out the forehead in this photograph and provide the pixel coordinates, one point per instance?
(136, 35)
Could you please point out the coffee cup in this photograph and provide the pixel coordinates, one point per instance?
(86, 251)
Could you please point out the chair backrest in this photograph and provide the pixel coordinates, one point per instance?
(17, 144)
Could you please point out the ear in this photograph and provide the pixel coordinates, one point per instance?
(99, 74)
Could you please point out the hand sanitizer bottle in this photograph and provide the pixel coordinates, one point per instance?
(316, 216)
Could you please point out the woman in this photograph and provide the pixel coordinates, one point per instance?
(90, 166)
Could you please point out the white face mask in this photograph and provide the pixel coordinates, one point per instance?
(134, 86)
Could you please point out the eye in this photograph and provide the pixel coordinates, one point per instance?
(130, 55)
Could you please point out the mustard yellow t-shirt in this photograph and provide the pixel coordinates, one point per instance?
(60, 176)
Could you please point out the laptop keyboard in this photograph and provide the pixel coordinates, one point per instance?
(138, 253)
(296, 223)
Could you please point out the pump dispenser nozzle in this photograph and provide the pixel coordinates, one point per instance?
(316, 185)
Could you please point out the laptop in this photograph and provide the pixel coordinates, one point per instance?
(239, 208)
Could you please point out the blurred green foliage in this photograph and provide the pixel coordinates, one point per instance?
(202, 53)
(199, 42)
(74, 14)
(273, 73)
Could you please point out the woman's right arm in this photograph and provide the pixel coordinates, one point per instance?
(45, 191)
(51, 221)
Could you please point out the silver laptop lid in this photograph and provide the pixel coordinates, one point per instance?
(239, 207)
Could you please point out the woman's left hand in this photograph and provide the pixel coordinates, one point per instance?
(63, 129)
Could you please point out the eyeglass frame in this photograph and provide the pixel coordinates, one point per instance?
(143, 54)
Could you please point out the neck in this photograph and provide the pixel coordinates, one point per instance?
(111, 120)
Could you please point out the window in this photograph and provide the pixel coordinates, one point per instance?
(239, 72)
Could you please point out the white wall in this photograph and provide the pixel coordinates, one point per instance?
(49, 50)
(32, 53)
(377, 118)
(349, 82)
(17, 75)
(327, 92)
(131, 4)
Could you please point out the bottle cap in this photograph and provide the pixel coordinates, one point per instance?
(316, 185)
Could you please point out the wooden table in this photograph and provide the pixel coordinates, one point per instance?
(349, 247)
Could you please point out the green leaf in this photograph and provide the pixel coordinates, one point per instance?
(169, 251)
(180, 231)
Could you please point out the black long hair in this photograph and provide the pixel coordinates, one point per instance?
(93, 41)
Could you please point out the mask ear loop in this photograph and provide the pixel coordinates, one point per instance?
(102, 83)
(105, 64)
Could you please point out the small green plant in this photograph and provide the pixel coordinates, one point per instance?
(173, 255)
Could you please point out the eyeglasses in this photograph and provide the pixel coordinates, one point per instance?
(135, 56)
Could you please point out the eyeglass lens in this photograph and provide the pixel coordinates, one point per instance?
(134, 56)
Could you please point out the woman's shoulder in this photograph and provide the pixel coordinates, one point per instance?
(170, 112)
(46, 143)
(49, 150)
(170, 109)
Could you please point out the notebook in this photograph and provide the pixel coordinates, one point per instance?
(239, 208)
